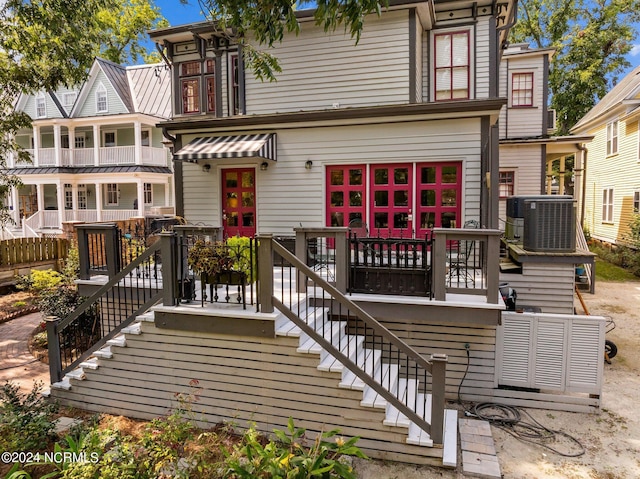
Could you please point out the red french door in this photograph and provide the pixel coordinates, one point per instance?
(346, 195)
(439, 189)
(391, 188)
(239, 202)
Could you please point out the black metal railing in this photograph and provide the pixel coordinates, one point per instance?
(130, 292)
(370, 352)
(390, 266)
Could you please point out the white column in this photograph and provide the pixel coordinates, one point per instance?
(36, 144)
(98, 202)
(137, 133)
(74, 200)
(40, 196)
(60, 193)
(140, 184)
(96, 145)
(72, 144)
(16, 205)
(168, 193)
(57, 143)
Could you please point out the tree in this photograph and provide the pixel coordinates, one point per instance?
(267, 21)
(124, 28)
(591, 38)
(43, 44)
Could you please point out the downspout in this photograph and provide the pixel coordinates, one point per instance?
(584, 151)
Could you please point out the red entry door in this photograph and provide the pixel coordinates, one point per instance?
(391, 189)
(439, 190)
(239, 202)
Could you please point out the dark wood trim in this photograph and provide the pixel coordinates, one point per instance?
(412, 55)
(494, 64)
(494, 163)
(177, 96)
(178, 179)
(218, 73)
(242, 107)
(485, 207)
(215, 323)
(466, 108)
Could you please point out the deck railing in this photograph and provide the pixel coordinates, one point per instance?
(130, 292)
(370, 351)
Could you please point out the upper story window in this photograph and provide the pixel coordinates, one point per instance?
(69, 98)
(612, 138)
(101, 99)
(522, 89)
(234, 85)
(41, 106)
(452, 62)
(192, 79)
(636, 202)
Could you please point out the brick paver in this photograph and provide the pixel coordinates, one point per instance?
(17, 364)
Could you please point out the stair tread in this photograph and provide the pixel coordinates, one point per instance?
(348, 348)
(367, 361)
(371, 398)
(91, 363)
(134, 328)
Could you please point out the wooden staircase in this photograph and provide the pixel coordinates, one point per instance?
(70, 389)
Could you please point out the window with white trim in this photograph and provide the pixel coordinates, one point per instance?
(636, 202)
(612, 138)
(234, 85)
(522, 89)
(68, 197)
(79, 140)
(109, 138)
(82, 197)
(506, 183)
(607, 205)
(147, 193)
(69, 98)
(145, 137)
(452, 65)
(112, 194)
(101, 99)
(41, 106)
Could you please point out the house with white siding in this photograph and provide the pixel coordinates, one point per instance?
(367, 176)
(611, 183)
(96, 154)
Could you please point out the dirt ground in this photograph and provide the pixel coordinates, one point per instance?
(611, 439)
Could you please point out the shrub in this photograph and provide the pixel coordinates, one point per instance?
(290, 457)
(19, 304)
(244, 259)
(26, 420)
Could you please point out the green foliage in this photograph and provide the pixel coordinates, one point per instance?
(19, 304)
(208, 258)
(16, 473)
(591, 39)
(244, 259)
(41, 280)
(40, 340)
(290, 457)
(268, 21)
(71, 268)
(124, 29)
(26, 420)
(618, 263)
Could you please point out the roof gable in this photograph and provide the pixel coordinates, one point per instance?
(627, 89)
(114, 80)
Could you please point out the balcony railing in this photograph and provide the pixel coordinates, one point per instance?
(108, 156)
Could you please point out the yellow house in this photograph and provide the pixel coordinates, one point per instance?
(611, 184)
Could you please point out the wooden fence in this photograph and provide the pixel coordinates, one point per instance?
(24, 251)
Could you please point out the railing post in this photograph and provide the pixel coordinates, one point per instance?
(493, 268)
(342, 260)
(439, 264)
(301, 254)
(168, 253)
(53, 341)
(265, 272)
(438, 379)
(112, 251)
(83, 253)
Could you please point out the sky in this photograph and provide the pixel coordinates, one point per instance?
(177, 14)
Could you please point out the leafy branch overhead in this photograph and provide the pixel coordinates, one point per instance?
(266, 22)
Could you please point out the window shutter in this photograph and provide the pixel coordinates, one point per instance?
(549, 353)
(586, 353)
(514, 338)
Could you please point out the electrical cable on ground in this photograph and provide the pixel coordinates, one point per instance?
(509, 419)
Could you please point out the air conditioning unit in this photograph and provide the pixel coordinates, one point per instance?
(550, 224)
(514, 229)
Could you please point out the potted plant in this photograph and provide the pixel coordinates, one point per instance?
(209, 260)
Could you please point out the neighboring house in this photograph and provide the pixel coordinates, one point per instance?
(533, 162)
(396, 138)
(612, 181)
(96, 152)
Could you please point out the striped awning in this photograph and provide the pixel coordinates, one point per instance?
(241, 146)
